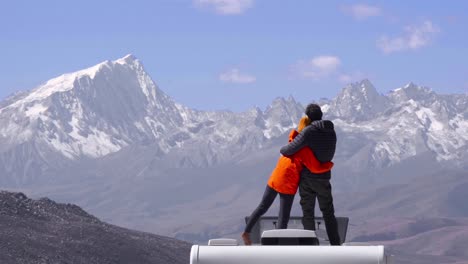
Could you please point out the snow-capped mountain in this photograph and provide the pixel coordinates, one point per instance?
(115, 104)
(407, 122)
(358, 102)
(92, 112)
(102, 109)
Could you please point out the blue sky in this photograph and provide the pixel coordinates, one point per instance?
(236, 54)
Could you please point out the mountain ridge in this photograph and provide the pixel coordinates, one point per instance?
(134, 119)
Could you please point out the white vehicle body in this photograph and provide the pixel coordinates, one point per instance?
(288, 255)
(285, 246)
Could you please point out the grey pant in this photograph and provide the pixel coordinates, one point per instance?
(311, 189)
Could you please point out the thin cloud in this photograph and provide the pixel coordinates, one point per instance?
(226, 7)
(413, 38)
(235, 76)
(317, 68)
(325, 67)
(362, 11)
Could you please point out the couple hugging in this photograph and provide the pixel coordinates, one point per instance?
(305, 164)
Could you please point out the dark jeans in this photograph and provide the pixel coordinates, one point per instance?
(286, 201)
(320, 189)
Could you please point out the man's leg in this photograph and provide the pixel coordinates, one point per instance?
(325, 200)
(286, 202)
(308, 196)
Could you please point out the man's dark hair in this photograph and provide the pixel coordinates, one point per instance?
(314, 112)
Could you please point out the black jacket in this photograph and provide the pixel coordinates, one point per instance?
(320, 136)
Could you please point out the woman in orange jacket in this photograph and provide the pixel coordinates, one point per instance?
(284, 181)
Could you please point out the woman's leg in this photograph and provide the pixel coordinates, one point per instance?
(286, 202)
(268, 197)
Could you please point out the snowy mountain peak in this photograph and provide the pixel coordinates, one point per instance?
(291, 99)
(410, 85)
(358, 101)
(421, 89)
(66, 82)
(91, 112)
(367, 86)
(282, 115)
(279, 101)
(127, 59)
(363, 88)
(414, 92)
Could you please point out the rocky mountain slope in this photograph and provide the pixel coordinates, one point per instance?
(43, 231)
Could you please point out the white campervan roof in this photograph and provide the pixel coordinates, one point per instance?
(288, 246)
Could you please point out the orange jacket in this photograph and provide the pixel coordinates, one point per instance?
(285, 177)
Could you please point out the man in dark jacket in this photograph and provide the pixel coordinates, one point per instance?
(320, 136)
